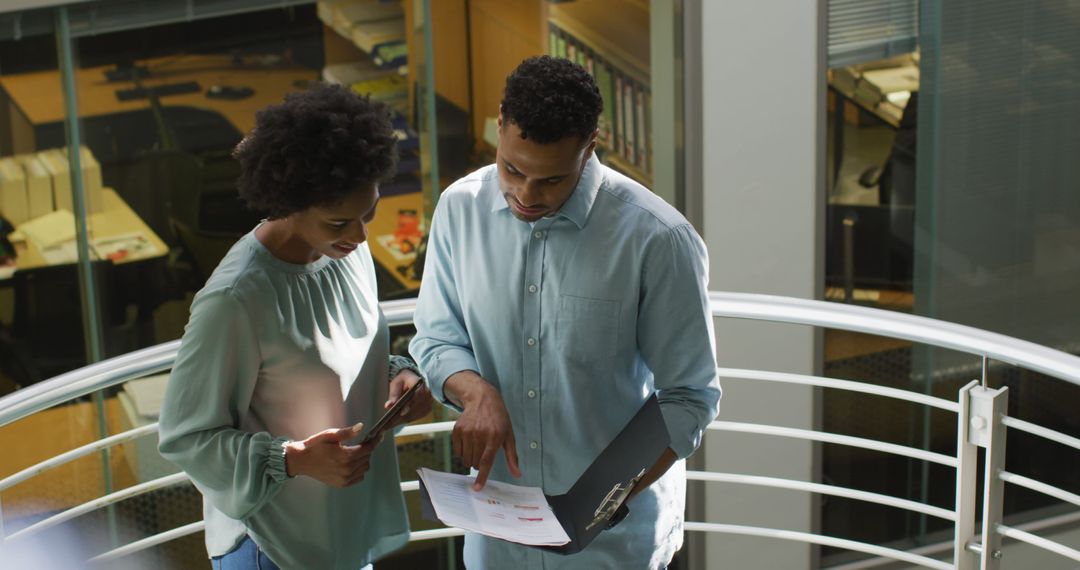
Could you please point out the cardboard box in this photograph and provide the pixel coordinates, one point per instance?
(39, 189)
(91, 168)
(14, 202)
(57, 164)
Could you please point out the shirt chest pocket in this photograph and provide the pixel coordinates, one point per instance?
(587, 329)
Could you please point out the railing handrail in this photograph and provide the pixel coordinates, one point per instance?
(724, 305)
(87, 380)
(787, 310)
(904, 326)
(113, 371)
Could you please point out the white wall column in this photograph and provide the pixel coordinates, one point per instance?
(762, 208)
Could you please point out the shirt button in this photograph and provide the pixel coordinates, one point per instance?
(538, 235)
(534, 445)
(531, 341)
(532, 393)
(532, 288)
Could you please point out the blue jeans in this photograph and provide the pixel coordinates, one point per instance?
(246, 556)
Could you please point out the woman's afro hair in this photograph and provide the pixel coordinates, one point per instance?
(313, 149)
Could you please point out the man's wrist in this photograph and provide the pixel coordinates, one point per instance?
(464, 388)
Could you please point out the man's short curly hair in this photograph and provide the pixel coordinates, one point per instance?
(314, 149)
(550, 99)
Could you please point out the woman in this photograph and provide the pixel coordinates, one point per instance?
(286, 349)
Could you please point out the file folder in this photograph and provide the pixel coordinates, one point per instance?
(597, 500)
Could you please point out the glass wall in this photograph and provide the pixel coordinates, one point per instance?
(162, 93)
(161, 96)
(153, 97)
(146, 100)
(964, 210)
(873, 80)
(998, 203)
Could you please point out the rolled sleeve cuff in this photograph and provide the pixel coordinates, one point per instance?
(682, 427)
(446, 364)
(399, 363)
(275, 459)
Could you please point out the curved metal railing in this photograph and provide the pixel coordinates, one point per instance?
(980, 413)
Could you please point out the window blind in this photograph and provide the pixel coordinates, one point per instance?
(865, 30)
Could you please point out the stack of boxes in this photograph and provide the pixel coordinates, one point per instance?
(32, 185)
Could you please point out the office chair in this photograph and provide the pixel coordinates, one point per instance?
(895, 179)
(874, 246)
(200, 131)
(206, 214)
(870, 247)
(204, 249)
(201, 213)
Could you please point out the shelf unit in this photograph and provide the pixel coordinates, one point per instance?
(619, 163)
(619, 36)
(619, 39)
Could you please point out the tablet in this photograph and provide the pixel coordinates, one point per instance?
(390, 414)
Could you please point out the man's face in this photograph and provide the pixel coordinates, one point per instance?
(537, 179)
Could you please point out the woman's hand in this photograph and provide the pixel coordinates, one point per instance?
(325, 458)
(420, 404)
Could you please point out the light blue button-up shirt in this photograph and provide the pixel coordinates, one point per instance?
(576, 319)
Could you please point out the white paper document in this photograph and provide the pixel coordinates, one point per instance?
(500, 510)
(62, 253)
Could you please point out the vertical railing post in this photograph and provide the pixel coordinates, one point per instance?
(967, 455)
(995, 408)
(979, 424)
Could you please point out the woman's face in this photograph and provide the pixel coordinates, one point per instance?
(336, 230)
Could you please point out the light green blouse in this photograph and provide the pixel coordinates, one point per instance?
(274, 352)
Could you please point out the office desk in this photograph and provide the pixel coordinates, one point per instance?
(384, 224)
(35, 99)
(115, 219)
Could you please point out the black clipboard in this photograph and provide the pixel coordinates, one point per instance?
(597, 501)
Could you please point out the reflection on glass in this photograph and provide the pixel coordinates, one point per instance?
(164, 93)
(996, 233)
(981, 233)
(41, 313)
(869, 261)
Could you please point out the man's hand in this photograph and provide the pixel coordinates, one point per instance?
(420, 404)
(483, 427)
(325, 458)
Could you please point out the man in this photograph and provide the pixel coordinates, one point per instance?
(557, 296)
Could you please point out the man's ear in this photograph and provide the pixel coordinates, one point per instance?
(592, 143)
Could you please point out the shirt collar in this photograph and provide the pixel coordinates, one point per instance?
(578, 205)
